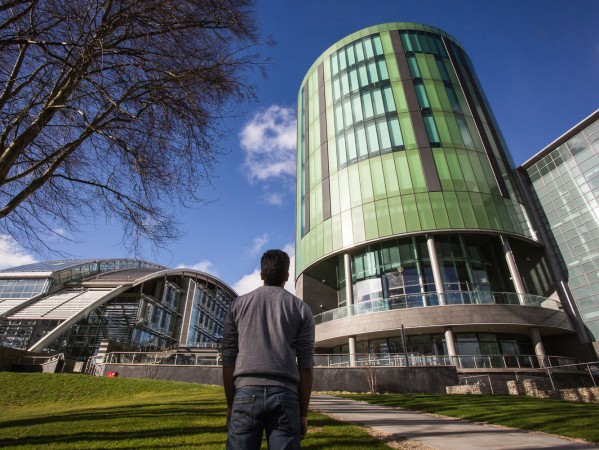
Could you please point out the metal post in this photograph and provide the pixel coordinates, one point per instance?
(405, 349)
(591, 374)
(432, 253)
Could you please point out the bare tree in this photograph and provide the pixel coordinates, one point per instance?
(114, 108)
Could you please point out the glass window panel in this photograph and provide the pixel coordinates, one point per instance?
(370, 221)
(410, 210)
(415, 42)
(466, 167)
(366, 181)
(403, 172)
(389, 101)
(351, 59)
(439, 210)
(373, 142)
(455, 170)
(347, 114)
(395, 131)
(344, 84)
(416, 172)
(359, 51)
(443, 169)
(453, 99)
(431, 129)
(334, 64)
(351, 146)
(358, 222)
(442, 69)
(341, 154)
(334, 194)
(431, 93)
(407, 131)
(397, 213)
(344, 190)
(391, 182)
(353, 175)
(361, 142)
(337, 232)
(374, 76)
(367, 102)
(384, 137)
(425, 212)
(357, 107)
(465, 132)
(453, 210)
(338, 117)
(377, 177)
(353, 80)
(465, 205)
(406, 42)
(378, 46)
(346, 228)
(421, 94)
(478, 205)
(413, 65)
(384, 74)
(336, 89)
(363, 75)
(377, 99)
(479, 172)
(368, 50)
(342, 60)
(383, 218)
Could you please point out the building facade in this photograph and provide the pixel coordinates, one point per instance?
(409, 212)
(564, 182)
(74, 306)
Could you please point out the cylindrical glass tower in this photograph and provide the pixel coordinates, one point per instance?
(403, 175)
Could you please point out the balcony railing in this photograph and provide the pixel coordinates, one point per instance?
(432, 299)
(358, 360)
(460, 361)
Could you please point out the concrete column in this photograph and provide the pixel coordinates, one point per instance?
(352, 351)
(432, 253)
(349, 302)
(513, 268)
(535, 336)
(451, 348)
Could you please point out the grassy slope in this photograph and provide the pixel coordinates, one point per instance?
(575, 420)
(81, 412)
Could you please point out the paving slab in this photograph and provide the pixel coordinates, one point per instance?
(438, 432)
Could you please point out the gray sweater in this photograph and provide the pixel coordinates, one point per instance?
(268, 334)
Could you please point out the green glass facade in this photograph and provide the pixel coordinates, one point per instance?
(395, 138)
(405, 184)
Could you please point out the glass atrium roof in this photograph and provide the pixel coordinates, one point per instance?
(49, 266)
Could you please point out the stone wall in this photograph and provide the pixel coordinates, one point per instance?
(431, 380)
(465, 389)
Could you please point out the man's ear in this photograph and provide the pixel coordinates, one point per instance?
(287, 277)
(261, 276)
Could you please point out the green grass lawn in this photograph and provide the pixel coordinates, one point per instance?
(575, 420)
(82, 412)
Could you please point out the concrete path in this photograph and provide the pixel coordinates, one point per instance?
(437, 432)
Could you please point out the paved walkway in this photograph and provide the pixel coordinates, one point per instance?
(438, 432)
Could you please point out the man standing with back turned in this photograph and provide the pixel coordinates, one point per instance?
(268, 354)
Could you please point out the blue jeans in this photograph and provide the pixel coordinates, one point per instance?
(257, 409)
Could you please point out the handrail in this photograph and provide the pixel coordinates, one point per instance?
(423, 300)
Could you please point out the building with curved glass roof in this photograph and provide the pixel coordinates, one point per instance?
(72, 306)
(409, 211)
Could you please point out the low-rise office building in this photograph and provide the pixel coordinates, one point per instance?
(73, 306)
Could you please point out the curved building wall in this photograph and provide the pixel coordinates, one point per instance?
(395, 138)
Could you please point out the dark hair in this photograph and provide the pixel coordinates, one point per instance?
(274, 266)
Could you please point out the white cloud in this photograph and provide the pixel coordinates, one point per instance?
(274, 198)
(269, 140)
(248, 283)
(12, 254)
(251, 281)
(259, 243)
(203, 266)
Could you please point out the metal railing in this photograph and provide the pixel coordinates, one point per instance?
(168, 358)
(40, 360)
(424, 300)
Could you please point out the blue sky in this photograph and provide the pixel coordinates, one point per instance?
(538, 62)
